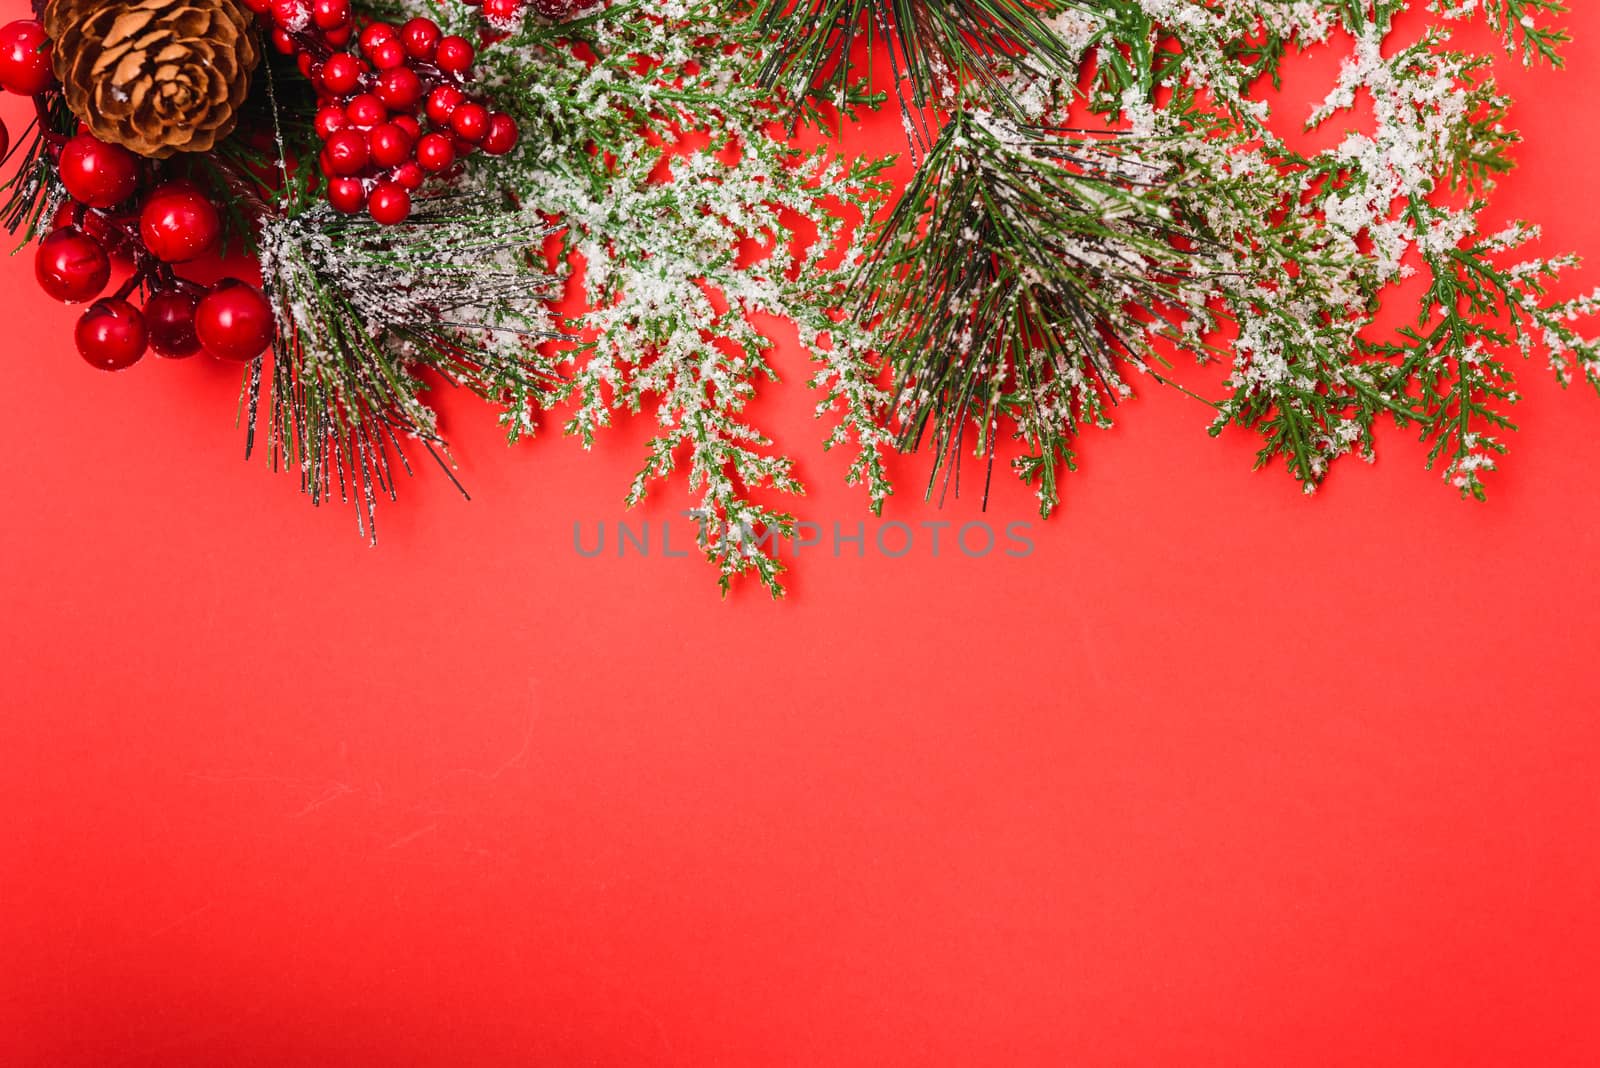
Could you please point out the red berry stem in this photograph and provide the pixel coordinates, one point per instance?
(53, 139)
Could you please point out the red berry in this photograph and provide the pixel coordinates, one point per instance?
(111, 335)
(330, 14)
(290, 14)
(71, 266)
(340, 37)
(282, 41)
(502, 12)
(376, 33)
(341, 73)
(407, 176)
(400, 88)
(179, 223)
(501, 136)
(169, 317)
(389, 204)
(464, 148)
(234, 321)
(435, 152)
(558, 10)
(330, 120)
(387, 55)
(389, 145)
(25, 58)
(409, 125)
(260, 7)
(420, 37)
(365, 110)
(454, 54)
(98, 174)
(470, 122)
(442, 102)
(348, 195)
(347, 152)
(306, 66)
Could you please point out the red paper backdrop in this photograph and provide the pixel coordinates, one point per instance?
(1217, 775)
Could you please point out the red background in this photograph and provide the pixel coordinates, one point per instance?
(1218, 775)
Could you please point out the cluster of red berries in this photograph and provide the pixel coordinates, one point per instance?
(108, 218)
(374, 98)
(172, 223)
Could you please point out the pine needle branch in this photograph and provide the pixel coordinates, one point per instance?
(1019, 274)
(34, 189)
(363, 310)
(935, 48)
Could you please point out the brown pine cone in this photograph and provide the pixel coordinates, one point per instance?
(156, 76)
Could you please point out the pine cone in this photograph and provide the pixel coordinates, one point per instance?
(156, 76)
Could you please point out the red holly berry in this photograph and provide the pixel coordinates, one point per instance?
(435, 152)
(420, 37)
(470, 122)
(389, 144)
(178, 222)
(330, 14)
(98, 174)
(442, 102)
(387, 55)
(408, 176)
(111, 335)
(376, 34)
(501, 136)
(559, 10)
(234, 321)
(341, 73)
(454, 54)
(282, 41)
(389, 204)
(346, 152)
(260, 7)
(399, 88)
(71, 266)
(409, 125)
(366, 110)
(502, 12)
(330, 120)
(290, 14)
(348, 195)
(169, 318)
(25, 58)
